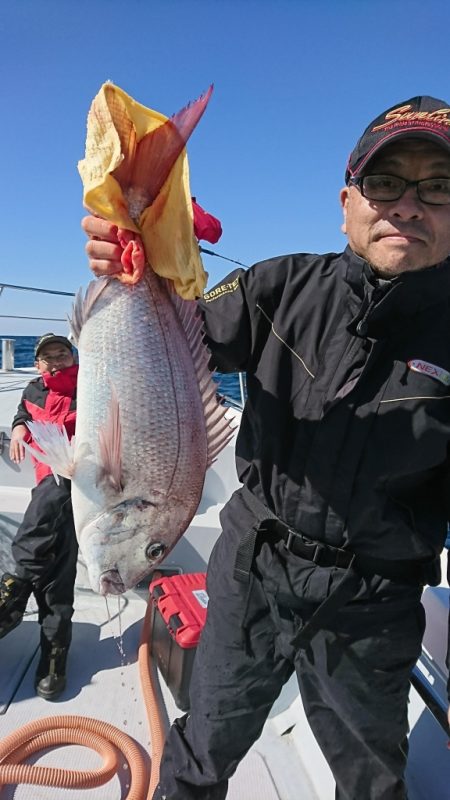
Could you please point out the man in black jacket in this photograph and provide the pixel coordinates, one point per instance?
(343, 456)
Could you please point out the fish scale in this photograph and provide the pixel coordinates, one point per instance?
(164, 442)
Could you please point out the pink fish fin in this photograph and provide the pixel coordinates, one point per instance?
(170, 286)
(186, 119)
(110, 445)
(218, 428)
(157, 152)
(56, 450)
(126, 132)
(83, 305)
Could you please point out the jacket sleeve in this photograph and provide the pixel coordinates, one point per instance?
(227, 323)
(234, 313)
(22, 416)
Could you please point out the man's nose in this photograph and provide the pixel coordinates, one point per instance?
(408, 206)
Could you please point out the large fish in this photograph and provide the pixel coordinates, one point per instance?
(148, 421)
(148, 426)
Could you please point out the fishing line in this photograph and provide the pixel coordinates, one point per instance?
(225, 258)
(72, 294)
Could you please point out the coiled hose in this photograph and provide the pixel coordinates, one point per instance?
(95, 734)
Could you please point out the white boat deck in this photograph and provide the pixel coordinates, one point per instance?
(103, 680)
(104, 683)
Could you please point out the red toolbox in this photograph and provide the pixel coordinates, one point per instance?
(180, 603)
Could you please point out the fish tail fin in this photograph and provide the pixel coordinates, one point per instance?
(188, 117)
(56, 450)
(157, 152)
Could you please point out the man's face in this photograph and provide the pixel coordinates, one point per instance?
(54, 357)
(404, 234)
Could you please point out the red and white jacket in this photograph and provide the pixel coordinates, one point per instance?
(49, 398)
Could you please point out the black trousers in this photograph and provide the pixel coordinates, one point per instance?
(45, 551)
(353, 677)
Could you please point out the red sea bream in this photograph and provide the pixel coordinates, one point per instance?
(148, 421)
(148, 426)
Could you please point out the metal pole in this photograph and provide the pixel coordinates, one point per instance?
(7, 354)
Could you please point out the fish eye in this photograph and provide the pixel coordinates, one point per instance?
(155, 550)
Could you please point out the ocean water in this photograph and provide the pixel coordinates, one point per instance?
(24, 357)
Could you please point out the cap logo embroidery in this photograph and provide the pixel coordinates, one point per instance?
(425, 368)
(403, 115)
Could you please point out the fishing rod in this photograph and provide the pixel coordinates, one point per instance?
(45, 319)
(225, 258)
(34, 289)
(72, 294)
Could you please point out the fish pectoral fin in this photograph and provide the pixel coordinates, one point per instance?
(110, 447)
(56, 450)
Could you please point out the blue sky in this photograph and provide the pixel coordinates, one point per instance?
(295, 81)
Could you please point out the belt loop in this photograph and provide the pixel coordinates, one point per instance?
(246, 550)
(244, 555)
(290, 538)
(319, 549)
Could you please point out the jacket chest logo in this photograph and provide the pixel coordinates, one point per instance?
(425, 368)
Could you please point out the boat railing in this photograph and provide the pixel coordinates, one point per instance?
(4, 441)
(432, 699)
(8, 344)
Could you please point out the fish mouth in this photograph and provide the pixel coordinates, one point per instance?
(110, 582)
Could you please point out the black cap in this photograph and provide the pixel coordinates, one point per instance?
(420, 118)
(51, 338)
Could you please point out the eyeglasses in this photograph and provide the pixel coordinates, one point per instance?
(54, 359)
(386, 188)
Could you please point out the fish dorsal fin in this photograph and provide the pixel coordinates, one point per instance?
(57, 451)
(218, 428)
(110, 446)
(83, 305)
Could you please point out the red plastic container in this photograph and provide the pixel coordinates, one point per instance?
(180, 612)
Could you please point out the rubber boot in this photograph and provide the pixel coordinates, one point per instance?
(14, 594)
(50, 679)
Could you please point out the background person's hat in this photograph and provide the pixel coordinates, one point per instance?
(51, 338)
(420, 118)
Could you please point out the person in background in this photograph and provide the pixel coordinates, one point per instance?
(45, 546)
(343, 452)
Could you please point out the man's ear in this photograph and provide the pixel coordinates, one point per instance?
(343, 198)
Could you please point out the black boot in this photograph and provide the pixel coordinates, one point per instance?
(14, 594)
(50, 679)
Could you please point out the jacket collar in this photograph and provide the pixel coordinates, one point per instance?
(386, 304)
(63, 382)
